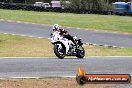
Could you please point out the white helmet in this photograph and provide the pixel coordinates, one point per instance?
(56, 27)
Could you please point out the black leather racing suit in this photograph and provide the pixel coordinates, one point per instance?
(67, 35)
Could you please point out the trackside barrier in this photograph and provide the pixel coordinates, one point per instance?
(14, 6)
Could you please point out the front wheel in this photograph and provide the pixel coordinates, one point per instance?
(80, 52)
(59, 51)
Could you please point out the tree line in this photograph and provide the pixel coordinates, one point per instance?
(104, 5)
(74, 4)
(48, 1)
(25, 1)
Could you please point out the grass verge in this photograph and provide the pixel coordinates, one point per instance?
(92, 21)
(18, 46)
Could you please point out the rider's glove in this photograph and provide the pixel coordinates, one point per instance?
(51, 34)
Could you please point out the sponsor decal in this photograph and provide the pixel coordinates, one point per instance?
(83, 78)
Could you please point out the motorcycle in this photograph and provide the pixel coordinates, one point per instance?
(64, 47)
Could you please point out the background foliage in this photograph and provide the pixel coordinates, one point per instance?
(74, 4)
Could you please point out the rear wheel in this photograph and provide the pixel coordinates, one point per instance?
(80, 52)
(59, 51)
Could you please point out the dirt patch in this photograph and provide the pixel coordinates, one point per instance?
(49, 83)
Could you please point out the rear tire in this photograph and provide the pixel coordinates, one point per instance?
(80, 52)
(61, 54)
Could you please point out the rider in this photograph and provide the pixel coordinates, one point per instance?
(63, 33)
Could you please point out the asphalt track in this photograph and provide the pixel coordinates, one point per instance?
(88, 36)
(53, 67)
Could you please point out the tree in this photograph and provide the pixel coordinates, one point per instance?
(89, 4)
(25, 1)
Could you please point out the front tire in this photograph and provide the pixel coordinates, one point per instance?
(80, 52)
(60, 53)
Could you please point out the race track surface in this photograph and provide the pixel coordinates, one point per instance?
(54, 67)
(88, 36)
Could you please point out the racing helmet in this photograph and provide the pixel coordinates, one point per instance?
(56, 27)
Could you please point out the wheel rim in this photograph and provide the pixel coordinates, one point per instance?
(81, 51)
(60, 51)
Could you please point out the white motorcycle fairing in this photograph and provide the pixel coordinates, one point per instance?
(58, 38)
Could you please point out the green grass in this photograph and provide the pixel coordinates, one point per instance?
(18, 46)
(107, 51)
(88, 21)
